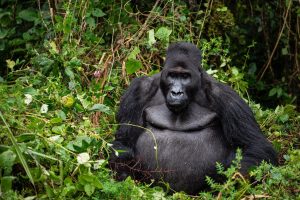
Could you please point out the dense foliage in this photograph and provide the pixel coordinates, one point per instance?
(65, 64)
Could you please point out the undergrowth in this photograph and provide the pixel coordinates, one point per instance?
(65, 70)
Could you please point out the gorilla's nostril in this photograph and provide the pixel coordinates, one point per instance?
(176, 93)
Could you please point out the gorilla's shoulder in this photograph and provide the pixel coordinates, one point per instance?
(141, 89)
(145, 82)
(142, 85)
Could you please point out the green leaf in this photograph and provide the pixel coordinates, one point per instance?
(298, 11)
(62, 115)
(59, 129)
(30, 90)
(6, 183)
(2, 14)
(252, 68)
(91, 22)
(134, 52)
(69, 72)
(211, 72)
(2, 44)
(133, 65)
(98, 13)
(90, 179)
(26, 137)
(53, 47)
(284, 118)
(74, 62)
(85, 102)
(151, 38)
(10, 63)
(56, 120)
(68, 190)
(272, 92)
(7, 159)
(28, 15)
(43, 62)
(279, 92)
(183, 18)
(101, 108)
(284, 51)
(89, 189)
(223, 9)
(80, 144)
(85, 178)
(223, 64)
(235, 71)
(287, 157)
(153, 72)
(97, 183)
(163, 34)
(3, 33)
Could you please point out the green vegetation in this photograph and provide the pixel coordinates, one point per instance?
(65, 64)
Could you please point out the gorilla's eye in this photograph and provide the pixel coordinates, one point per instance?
(172, 74)
(185, 75)
(179, 75)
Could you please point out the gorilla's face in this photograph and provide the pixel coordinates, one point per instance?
(181, 76)
(177, 84)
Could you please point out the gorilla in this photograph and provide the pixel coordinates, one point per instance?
(176, 125)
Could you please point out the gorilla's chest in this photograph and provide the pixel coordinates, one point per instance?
(181, 149)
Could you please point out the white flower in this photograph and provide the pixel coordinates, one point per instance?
(83, 158)
(44, 108)
(155, 147)
(117, 153)
(28, 99)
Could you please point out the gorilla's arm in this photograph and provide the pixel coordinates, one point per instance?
(238, 123)
(129, 116)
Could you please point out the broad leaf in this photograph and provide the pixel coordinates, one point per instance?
(134, 52)
(28, 15)
(133, 65)
(98, 13)
(101, 108)
(163, 34)
(151, 38)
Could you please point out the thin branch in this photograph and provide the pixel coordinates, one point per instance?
(138, 34)
(277, 42)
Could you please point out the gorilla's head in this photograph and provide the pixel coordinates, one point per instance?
(181, 75)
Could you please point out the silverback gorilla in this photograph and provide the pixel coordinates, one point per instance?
(175, 126)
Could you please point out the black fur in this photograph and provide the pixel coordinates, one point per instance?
(184, 146)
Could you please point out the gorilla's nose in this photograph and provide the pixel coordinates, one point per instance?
(177, 94)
